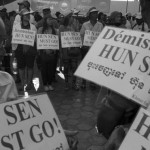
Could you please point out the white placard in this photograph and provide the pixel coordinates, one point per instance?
(120, 60)
(138, 137)
(90, 37)
(47, 41)
(23, 36)
(31, 124)
(71, 39)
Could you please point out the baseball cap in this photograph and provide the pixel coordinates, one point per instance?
(93, 10)
(46, 8)
(138, 16)
(24, 12)
(25, 3)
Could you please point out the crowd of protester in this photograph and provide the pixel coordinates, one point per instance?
(115, 109)
(49, 23)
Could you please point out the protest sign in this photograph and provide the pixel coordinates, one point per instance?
(138, 137)
(47, 41)
(71, 39)
(23, 36)
(119, 60)
(31, 124)
(90, 37)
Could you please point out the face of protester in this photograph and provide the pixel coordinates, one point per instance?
(71, 20)
(94, 15)
(46, 12)
(26, 18)
(139, 21)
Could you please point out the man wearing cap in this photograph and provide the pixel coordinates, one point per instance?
(91, 25)
(140, 24)
(24, 5)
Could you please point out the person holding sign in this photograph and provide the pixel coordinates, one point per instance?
(48, 56)
(91, 25)
(69, 53)
(25, 50)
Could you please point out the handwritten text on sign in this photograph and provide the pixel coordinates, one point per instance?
(31, 124)
(138, 137)
(47, 41)
(23, 36)
(119, 60)
(71, 39)
(90, 37)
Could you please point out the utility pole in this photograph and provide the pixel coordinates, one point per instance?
(127, 6)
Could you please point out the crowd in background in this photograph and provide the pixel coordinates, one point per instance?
(67, 59)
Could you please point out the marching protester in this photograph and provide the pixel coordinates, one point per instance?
(25, 54)
(91, 25)
(48, 56)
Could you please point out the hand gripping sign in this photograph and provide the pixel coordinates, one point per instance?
(31, 124)
(23, 36)
(138, 137)
(119, 60)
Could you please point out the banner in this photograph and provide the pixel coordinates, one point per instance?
(120, 60)
(31, 124)
(23, 36)
(90, 37)
(47, 41)
(137, 137)
(71, 39)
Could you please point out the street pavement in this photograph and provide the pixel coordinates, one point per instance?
(77, 110)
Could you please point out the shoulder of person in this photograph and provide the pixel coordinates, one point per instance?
(61, 28)
(33, 27)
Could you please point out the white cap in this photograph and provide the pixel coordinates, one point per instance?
(138, 16)
(93, 10)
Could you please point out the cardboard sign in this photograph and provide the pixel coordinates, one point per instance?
(71, 39)
(120, 60)
(23, 36)
(90, 37)
(31, 124)
(138, 137)
(47, 41)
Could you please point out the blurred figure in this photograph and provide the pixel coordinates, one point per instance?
(140, 24)
(25, 54)
(101, 18)
(128, 20)
(123, 22)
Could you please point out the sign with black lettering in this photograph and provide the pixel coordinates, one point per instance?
(120, 60)
(90, 37)
(70, 39)
(47, 41)
(138, 137)
(23, 36)
(31, 124)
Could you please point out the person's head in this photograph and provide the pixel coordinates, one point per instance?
(25, 16)
(139, 18)
(128, 16)
(24, 5)
(46, 11)
(3, 13)
(49, 21)
(93, 13)
(115, 18)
